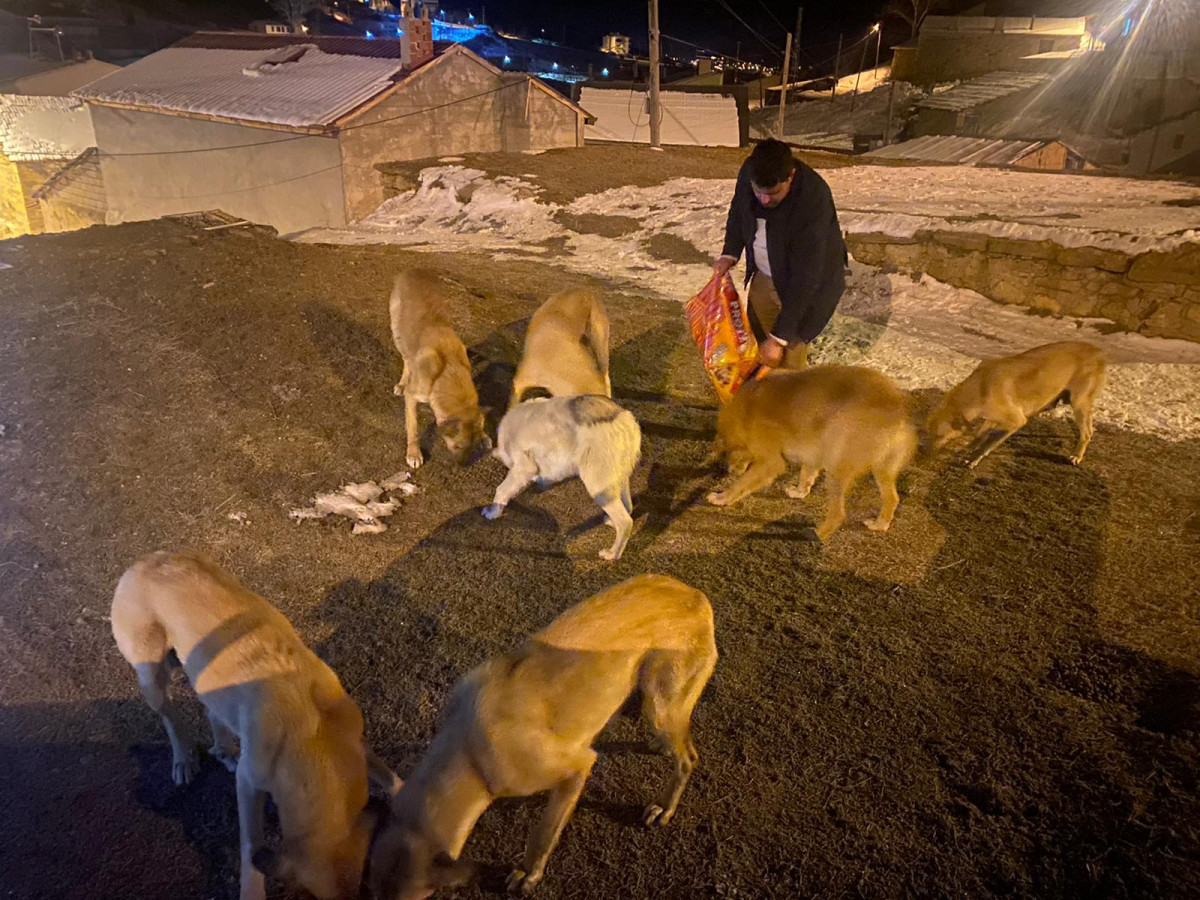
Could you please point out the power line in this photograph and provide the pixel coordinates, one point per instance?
(763, 4)
(761, 39)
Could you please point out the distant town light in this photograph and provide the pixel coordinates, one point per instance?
(555, 67)
(507, 60)
(604, 72)
(370, 36)
(471, 16)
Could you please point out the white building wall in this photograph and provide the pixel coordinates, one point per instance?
(156, 165)
(706, 120)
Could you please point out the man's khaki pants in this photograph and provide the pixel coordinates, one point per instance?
(764, 310)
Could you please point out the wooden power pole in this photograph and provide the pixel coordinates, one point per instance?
(837, 61)
(796, 42)
(783, 84)
(655, 117)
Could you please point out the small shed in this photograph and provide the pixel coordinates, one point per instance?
(976, 106)
(1049, 156)
(286, 130)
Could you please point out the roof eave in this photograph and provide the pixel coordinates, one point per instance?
(314, 129)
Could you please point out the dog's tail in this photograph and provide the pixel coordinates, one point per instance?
(596, 334)
(394, 306)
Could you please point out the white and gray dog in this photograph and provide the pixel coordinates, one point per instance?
(550, 440)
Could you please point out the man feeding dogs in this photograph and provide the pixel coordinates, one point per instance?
(783, 216)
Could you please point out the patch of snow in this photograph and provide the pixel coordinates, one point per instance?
(35, 127)
(315, 88)
(921, 332)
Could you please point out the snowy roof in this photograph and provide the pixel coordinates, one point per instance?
(33, 127)
(985, 89)
(965, 151)
(279, 79)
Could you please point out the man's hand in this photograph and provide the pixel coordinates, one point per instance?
(770, 353)
(723, 265)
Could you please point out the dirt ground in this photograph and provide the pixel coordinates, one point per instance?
(564, 175)
(999, 697)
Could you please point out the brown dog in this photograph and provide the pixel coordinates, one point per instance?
(436, 368)
(843, 420)
(1001, 394)
(301, 736)
(566, 348)
(525, 722)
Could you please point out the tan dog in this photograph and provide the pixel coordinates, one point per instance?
(843, 420)
(301, 736)
(1001, 395)
(436, 368)
(524, 722)
(566, 348)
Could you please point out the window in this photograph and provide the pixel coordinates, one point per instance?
(1045, 46)
(1177, 144)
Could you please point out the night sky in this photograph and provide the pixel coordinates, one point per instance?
(703, 22)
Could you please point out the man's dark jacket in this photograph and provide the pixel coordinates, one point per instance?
(804, 246)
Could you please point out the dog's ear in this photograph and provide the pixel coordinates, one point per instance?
(426, 368)
(449, 872)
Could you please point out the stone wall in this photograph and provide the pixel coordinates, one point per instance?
(1153, 293)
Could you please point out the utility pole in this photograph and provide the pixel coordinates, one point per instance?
(862, 62)
(654, 76)
(783, 84)
(837, 62)
(796, 42)
(887, 128)
(878, 41)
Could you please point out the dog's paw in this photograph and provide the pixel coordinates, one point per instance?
(398, 390)
(520, 883)
(811, 535)
(877, 524)
(226, 758)
(796, 492)
(415, 460)
(1076, 460)
(185, 769)
(718, 498)
(655, 815)
(493, 511)
(610, 554)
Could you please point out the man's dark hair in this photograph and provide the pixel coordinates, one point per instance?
(771, 163)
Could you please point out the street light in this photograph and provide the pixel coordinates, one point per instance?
(878, 41)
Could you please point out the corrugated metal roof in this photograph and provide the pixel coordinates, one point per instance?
(294, 83)
(982, 90)
(345, 46)
(965, 151)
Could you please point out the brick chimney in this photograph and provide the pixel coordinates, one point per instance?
(416, 41)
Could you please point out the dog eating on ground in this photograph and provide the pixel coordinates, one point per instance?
(566, 348)
(1000, 396)
(845, 421)
(300, 735)
(551, 439)
(525, 722)
(436, 368)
